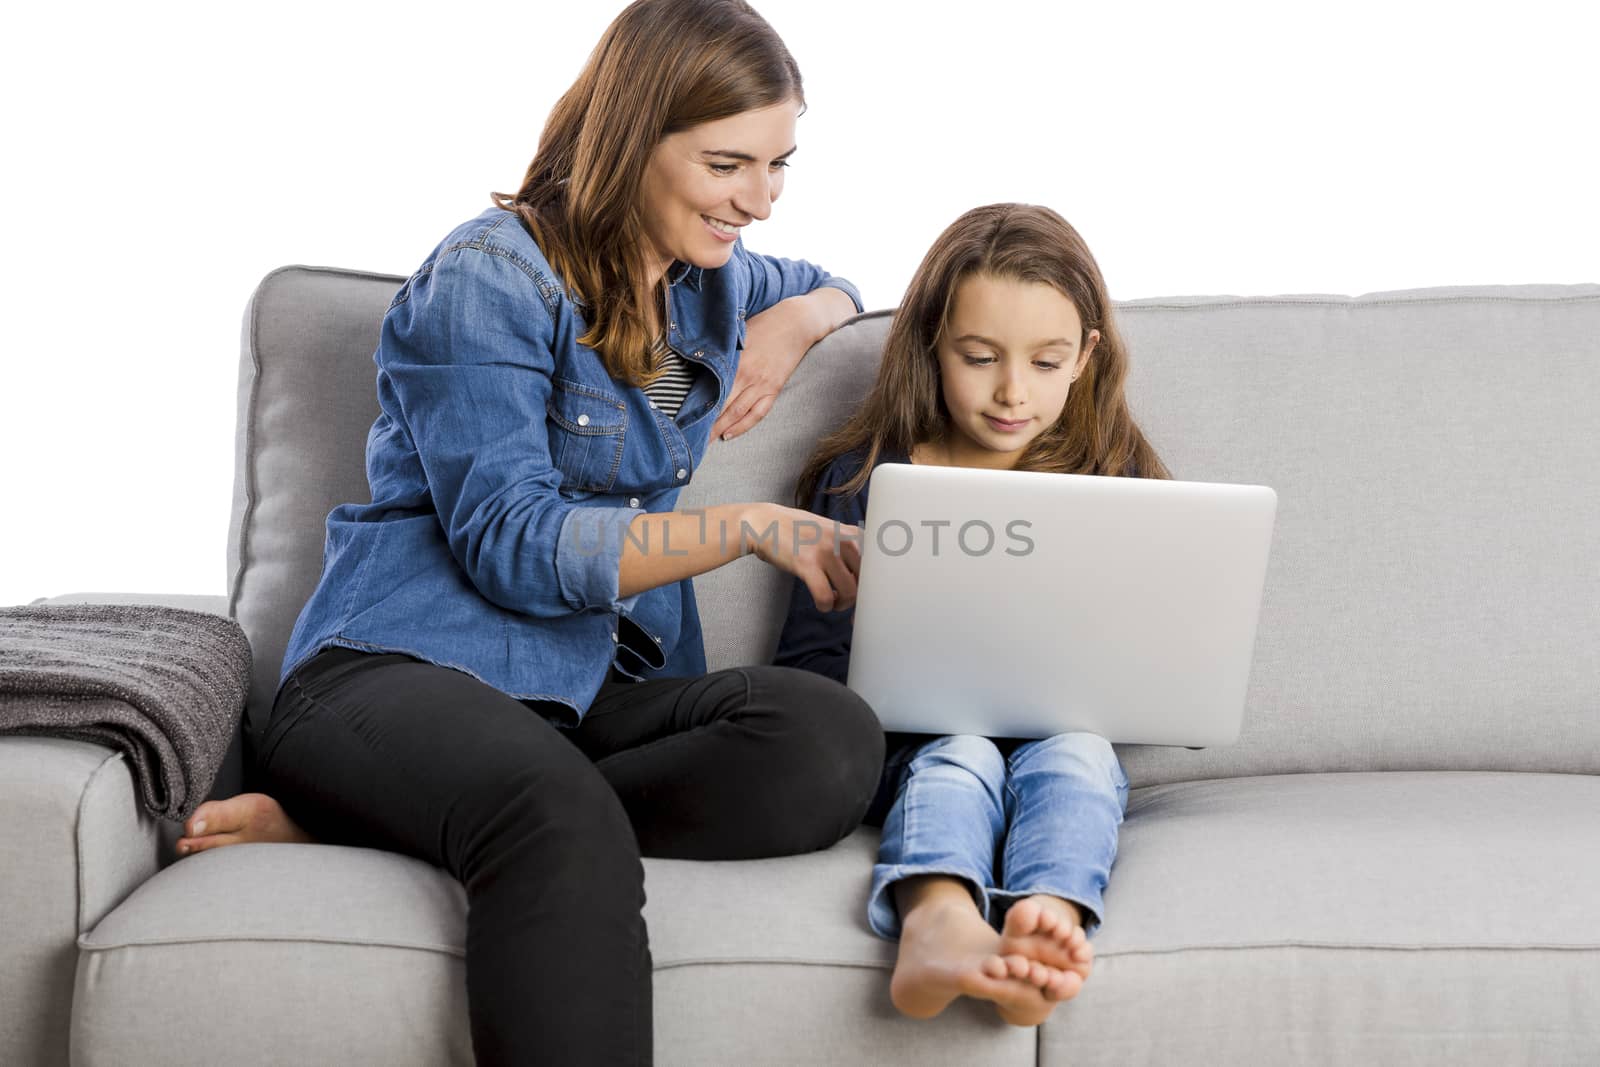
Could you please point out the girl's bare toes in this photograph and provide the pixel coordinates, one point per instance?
(1028, 1007)
(1063, 985)
(1037, 930)
(1023, 918)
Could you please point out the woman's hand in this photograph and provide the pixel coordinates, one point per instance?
(822, 553)
(669, 546)
(774, 343)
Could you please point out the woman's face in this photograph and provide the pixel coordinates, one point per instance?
(703, 185)
(1006, 363)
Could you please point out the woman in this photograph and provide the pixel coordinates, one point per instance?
(500, 670)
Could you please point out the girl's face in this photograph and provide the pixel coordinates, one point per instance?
(703, 185)
(1007, 359)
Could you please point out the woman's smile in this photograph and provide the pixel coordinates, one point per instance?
(724, 231)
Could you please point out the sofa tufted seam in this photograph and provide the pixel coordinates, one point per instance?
(1246, 946)
(1328, 300)
(252, 312)
(86, 945)
(886, 965)
(783, 961)
(77, 832)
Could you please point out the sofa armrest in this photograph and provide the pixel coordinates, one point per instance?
(230, 776)
(215, 605)
(73, 844)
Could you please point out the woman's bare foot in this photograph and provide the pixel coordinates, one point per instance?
(947, 951)
(1049, 930)
(243, 819)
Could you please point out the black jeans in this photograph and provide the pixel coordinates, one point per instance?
(545, 826)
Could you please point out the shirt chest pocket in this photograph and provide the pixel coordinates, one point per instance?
(586, 435)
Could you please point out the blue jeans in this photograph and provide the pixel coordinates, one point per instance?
(1044, 818)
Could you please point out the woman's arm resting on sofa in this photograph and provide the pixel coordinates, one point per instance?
(775, 342)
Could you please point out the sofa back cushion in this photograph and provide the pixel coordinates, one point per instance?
(307, 397)
(1433, 598)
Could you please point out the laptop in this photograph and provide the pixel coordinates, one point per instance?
(1023, 604)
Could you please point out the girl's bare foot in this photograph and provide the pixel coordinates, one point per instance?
(1049, 930)
(947, 951)
(246, 818)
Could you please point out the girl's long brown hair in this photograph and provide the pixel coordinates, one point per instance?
(1095, 434)
(662, 66)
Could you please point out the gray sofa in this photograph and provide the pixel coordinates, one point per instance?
(1398, 862)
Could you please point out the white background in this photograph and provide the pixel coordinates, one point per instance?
(159, 159)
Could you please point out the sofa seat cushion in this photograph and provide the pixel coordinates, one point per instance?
(278, 954)
(323, 954)
(1431, 917)
(1439, 917)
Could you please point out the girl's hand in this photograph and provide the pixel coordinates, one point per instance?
(774, 343)
(822, 553)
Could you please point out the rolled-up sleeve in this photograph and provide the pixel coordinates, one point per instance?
(771, 279)
(467, 349)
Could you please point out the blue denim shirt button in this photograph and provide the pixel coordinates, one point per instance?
(633, 501)
(583, 420)
(613, 637)
(682, 474)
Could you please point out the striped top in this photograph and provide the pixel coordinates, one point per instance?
(669, 390)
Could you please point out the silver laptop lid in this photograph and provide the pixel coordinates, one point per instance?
(1021, 604)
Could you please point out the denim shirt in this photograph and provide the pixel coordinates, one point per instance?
(506, 464)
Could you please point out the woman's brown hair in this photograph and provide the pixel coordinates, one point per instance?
(1095, 433)
(662, 66)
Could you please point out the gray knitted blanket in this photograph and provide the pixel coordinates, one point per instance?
(163, 686)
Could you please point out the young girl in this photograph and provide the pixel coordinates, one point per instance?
(995, 853)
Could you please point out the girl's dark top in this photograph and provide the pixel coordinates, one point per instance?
(812, 639)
